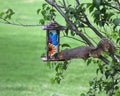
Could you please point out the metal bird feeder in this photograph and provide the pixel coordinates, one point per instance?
(52, 40)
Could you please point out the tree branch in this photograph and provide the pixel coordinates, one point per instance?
(73, 27)
(118, 3)
(95, 30)
(64, 4)
(114, 7)
(74, 39)
(16, 24)
(77, 1)
(87, 22)
(89, 37)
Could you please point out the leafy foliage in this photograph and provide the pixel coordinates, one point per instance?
(105, 14)
(108, 80)
(7, 15)
(47, 12)
(60, 67)
(106, 23)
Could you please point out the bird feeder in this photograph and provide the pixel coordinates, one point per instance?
(52, 40)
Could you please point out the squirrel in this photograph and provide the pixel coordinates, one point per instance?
(88, 51)
(78, 52)
(104, 45)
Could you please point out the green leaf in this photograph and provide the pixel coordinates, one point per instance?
(110, 15)
(42, 21)
(43, 12)
(97, 13)
(1, 14)
(118, 40)
(82, 94)
(97, 3)
(47, 8)
(66, 32)
(81, 25)
(88, 5)
(97, 71)
(9, 13)
(103, 10)
(89, 61)
(117, 88)
(72, 33)
(52, 80)
(116, 21)
(44, 5)
(107, 74)
(38, 11)
(49, 64)
(91, 8)
(66, 45)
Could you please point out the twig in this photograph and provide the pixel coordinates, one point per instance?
(90, 37)
(74, 39)
(25, 25)
(16, 24)
(64, 4)
(77, 1)
(118, 3)
(114, 7)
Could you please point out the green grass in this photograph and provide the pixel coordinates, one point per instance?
(22, 73)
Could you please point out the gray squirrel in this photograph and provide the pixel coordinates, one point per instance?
(85, 52)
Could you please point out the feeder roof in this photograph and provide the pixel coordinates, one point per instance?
(53, 25)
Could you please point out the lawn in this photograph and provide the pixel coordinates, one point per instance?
(22, 73)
